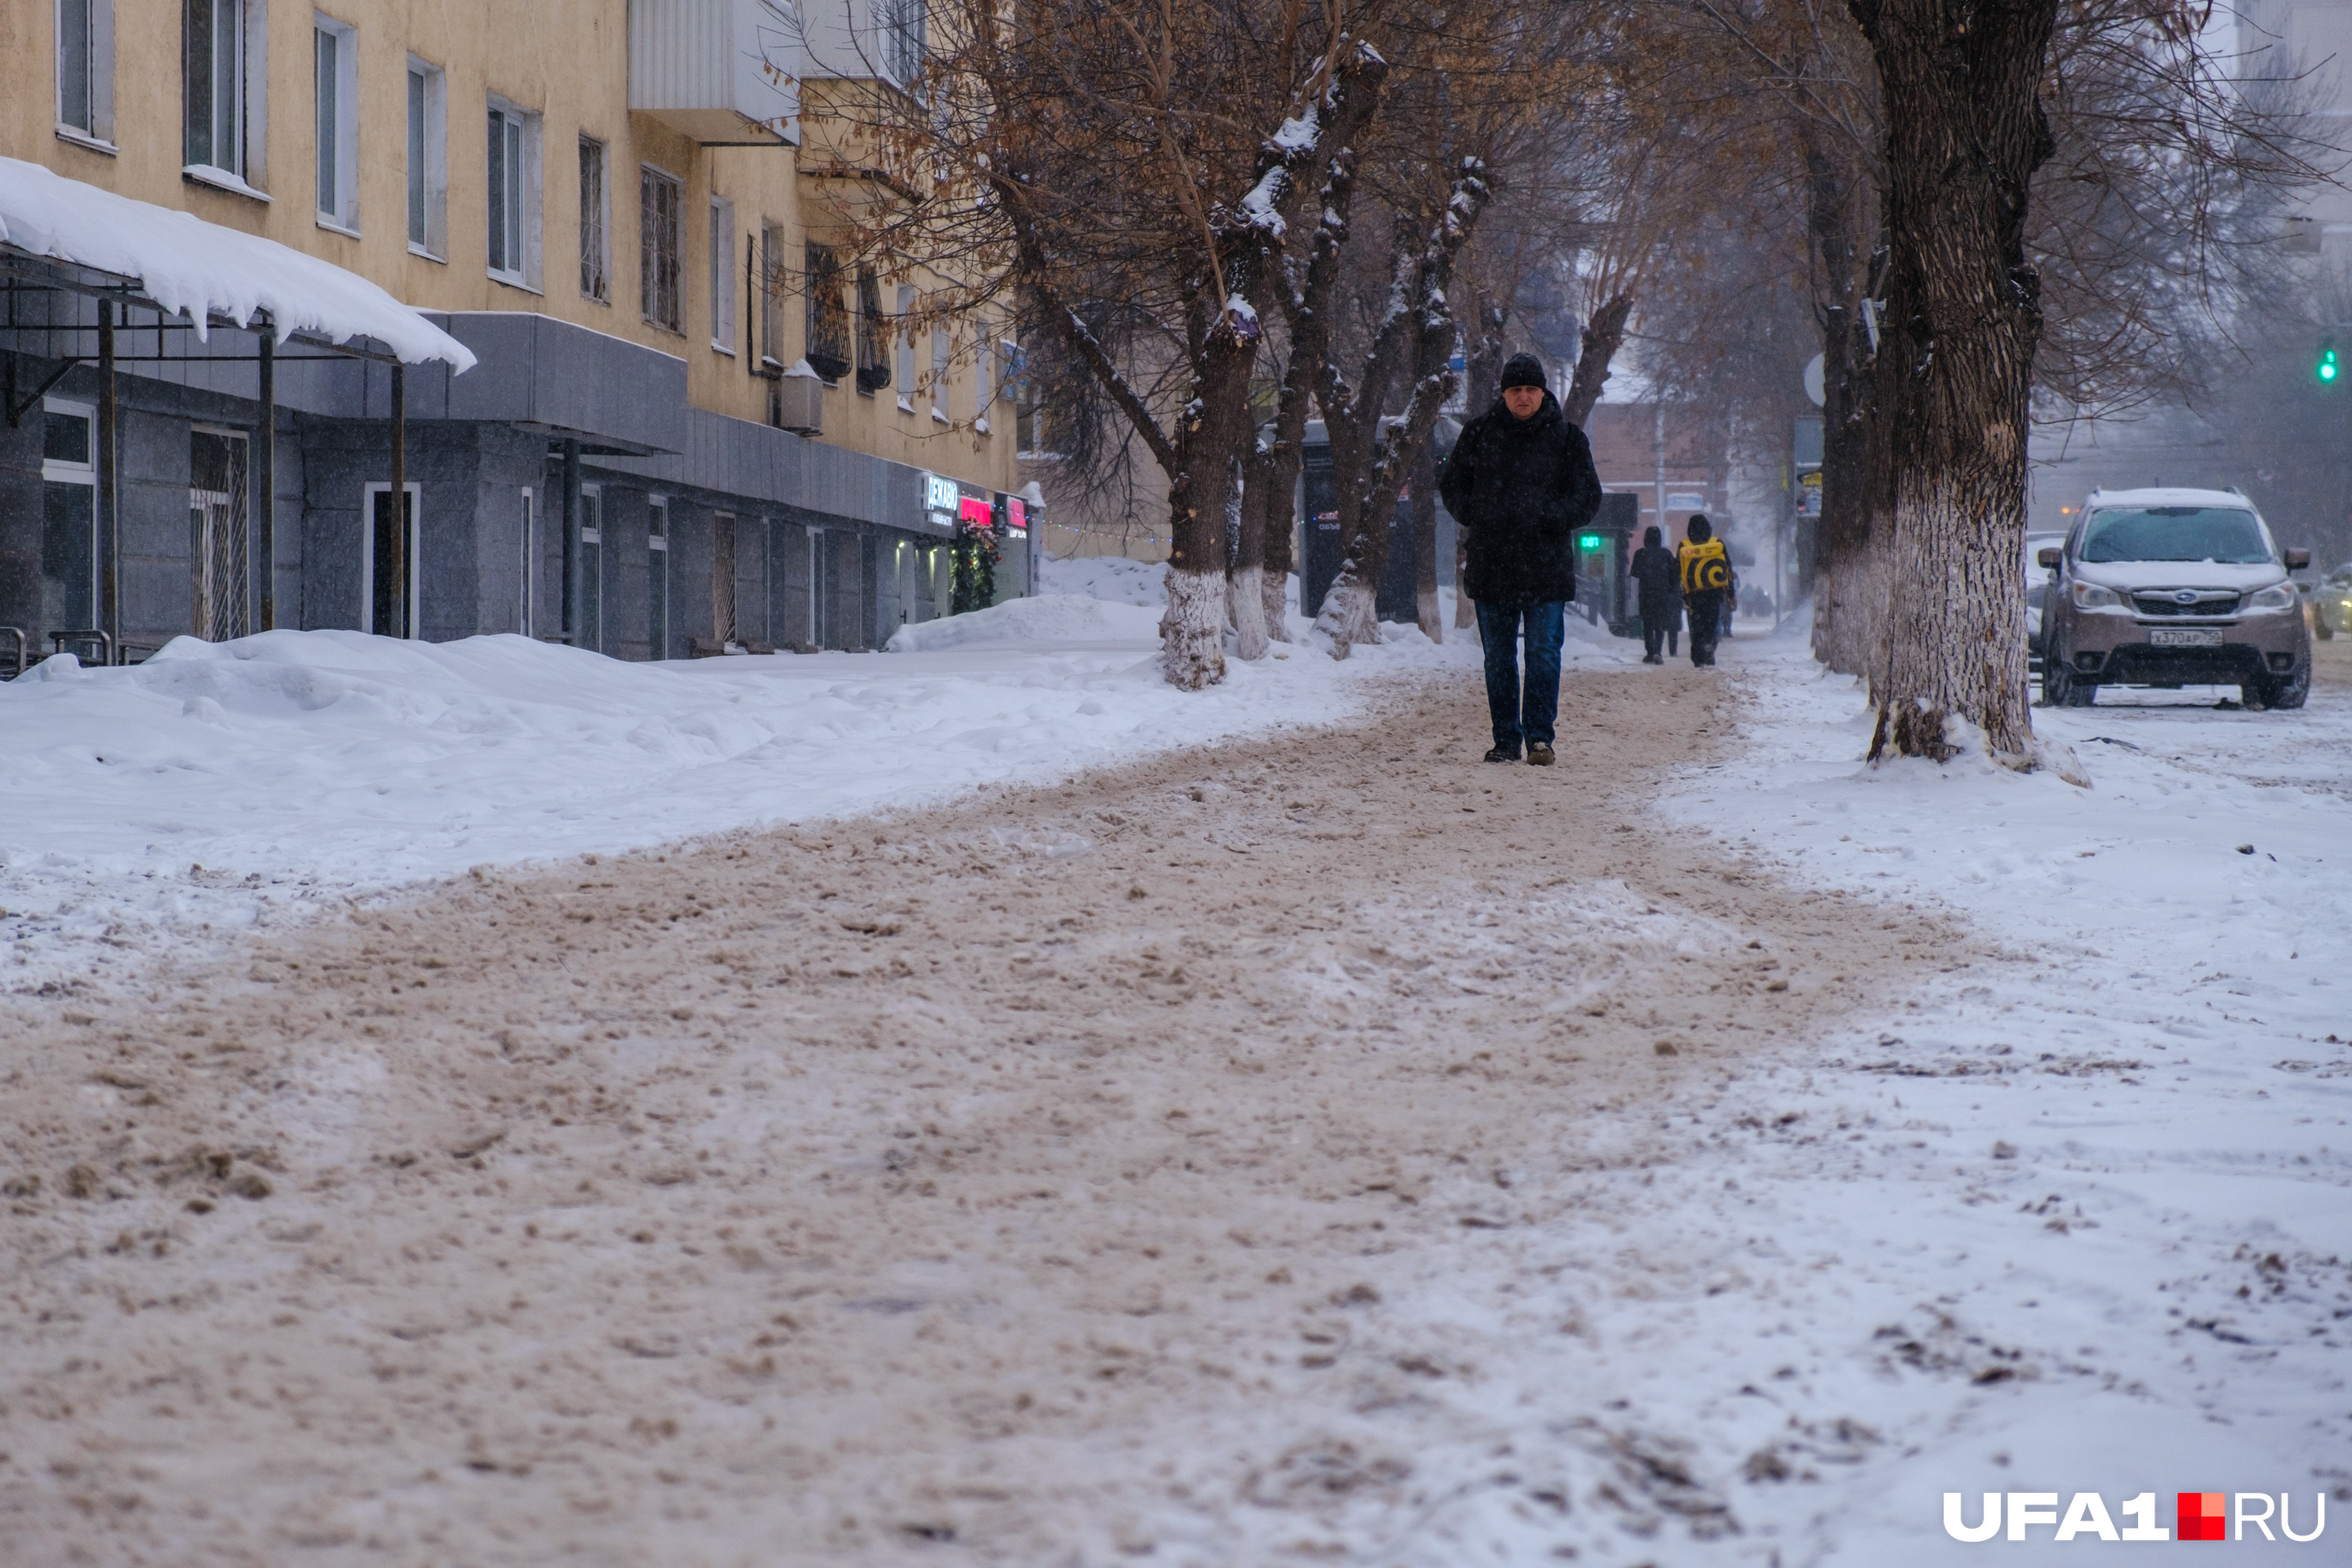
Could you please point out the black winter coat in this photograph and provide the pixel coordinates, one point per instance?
(1519, 490)
(1653, 568)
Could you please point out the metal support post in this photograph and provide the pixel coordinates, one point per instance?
(110, 484)
(398, 561)
(264, 475)
(572, 542)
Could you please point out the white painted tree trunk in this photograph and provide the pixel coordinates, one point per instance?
(1249, 613)
(1193, 632)
(1274, 591)
(1350, 616)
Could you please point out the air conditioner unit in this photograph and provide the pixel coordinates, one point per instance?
(800, 405)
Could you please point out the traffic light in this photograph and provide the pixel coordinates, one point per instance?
(2330, 365)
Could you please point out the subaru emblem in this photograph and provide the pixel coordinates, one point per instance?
(2185, 596)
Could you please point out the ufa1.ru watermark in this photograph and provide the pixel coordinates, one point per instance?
(2196, 1516)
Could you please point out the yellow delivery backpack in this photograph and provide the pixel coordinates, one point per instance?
(1705, 566)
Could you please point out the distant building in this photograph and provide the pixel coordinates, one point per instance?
(693, 423)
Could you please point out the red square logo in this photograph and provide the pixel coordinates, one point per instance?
(2202, 1516)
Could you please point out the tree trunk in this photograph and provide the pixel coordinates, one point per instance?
(1263, 564)
(1369, 465)
(1597, 345)
(1848, 600)
(1423, 493)
(1964, 131)
(1201, 493)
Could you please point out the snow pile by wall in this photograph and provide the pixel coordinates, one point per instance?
(1109, 577)
(1052, 618)
(198, 269)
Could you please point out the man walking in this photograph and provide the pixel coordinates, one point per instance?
(1660, 603)
(1520, 484)
(1706, 580)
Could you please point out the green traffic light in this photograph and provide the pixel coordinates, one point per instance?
(2329, 366)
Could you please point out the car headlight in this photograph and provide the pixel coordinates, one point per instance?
(2091, 596)
(2277, 596)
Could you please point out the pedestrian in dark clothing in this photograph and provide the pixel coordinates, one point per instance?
(1705, 581)
(1519, 485)
(1660, 603)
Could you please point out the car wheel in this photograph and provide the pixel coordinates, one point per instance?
(2062, 688)
(2057, 682)
(2288, 692)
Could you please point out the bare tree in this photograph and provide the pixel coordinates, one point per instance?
(1370, 458)
(1128, 169)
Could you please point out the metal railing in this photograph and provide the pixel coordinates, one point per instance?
(18, 633)
(102, 639)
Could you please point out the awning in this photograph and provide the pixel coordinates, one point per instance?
(202, 270)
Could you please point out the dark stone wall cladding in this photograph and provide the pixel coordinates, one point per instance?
(472, 476)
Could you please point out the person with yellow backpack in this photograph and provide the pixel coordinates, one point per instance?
(1705, 573)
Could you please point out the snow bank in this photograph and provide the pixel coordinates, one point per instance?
(197, 267)
(216, 786)
(1054, 618)
(1115, 579)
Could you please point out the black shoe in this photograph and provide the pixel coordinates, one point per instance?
(1538, 755)
(1652, 659)
(1501, 753)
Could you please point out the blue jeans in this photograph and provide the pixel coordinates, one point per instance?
(1518, 719)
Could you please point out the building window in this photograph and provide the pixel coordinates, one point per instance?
(905, 348)
(596, 224)
(217, 134)
(772, 325)
(657, 578)
(943, 350)
(68, 516)
(428, 159)
(335, 79)
(389, 572)
(86, 69)
(873, 336)
(723, 628)
(220, 573)
(514, 195)
(983, 380)
(901, 24)
(828, 347)
(525, 597)
(660, 231)
(588, 626)
(722, 275)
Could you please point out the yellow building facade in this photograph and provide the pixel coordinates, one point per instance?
(695, 424)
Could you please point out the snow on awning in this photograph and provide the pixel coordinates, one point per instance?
(201, 269)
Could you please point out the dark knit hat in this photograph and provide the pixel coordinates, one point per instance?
(1524, 369)
(1653, 538)
(1700, 528)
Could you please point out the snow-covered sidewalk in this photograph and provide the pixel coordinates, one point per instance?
(216, 787)
(2106, 1182)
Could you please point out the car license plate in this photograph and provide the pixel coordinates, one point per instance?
(2186, 637)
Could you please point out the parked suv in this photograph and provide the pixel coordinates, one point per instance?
(2171, 588)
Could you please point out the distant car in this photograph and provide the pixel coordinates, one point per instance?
(2329, 602)
(2170, 588)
